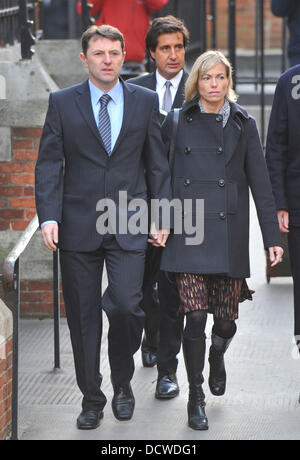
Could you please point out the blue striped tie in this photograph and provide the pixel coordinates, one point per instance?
(104, 123)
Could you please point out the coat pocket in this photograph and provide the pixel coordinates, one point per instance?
(232, 198)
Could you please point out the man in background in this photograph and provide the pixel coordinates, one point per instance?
(166, 42)
(283, 161)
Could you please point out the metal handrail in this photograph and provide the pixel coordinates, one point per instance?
(11, 284)
(15, 253)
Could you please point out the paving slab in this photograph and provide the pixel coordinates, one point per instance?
(263, 368)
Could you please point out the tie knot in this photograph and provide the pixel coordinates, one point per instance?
(104, 99)
(168, 84)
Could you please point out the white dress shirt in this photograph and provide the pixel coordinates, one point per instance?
(161, 88)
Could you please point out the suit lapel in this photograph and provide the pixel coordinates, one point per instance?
(85, 107)
(129, 112)
(179, 98)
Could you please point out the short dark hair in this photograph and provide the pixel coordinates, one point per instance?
(105, 31)
(165, 25)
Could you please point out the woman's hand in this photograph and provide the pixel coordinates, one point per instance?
(275, 254)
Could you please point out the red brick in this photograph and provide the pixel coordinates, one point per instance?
(22, 179)
(25, 155)
(4, 225)
(3, 202)
(19, 224)
(22, 144)
(39, 285)
(48, 297)
(11, 191)
(11, 213)
(4, 179)
(7, 166)
(22, 203)
(28, 191)
(26, 132)
(31, 296)
(30, 213)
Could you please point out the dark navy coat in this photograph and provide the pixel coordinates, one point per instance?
(291, 10)
(283, 144)
(219, 165)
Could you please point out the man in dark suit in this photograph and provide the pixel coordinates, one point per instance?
(283, 161)
(100, 138)
(166, 42)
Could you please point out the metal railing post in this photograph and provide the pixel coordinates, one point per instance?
(213, 12)
(26, 36)
(86, 20)
(15, 370)
(232, 38)
(203, 42)
(56, 307)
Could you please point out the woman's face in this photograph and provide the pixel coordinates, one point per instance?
(212, 85)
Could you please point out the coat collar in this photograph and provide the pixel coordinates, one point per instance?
(85, 107)
(233, 129)
(236, 109)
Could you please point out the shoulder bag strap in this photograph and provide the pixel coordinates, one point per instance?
(173, 138)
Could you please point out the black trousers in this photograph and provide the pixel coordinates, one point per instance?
(81, 281)
(294, 251)
(170, 325)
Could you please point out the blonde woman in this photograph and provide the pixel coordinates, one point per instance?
(218, 156)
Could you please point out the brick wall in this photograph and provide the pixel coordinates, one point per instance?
(36, 298)
(17, 208)
(5, 387)
(17, 203)
(245, 27)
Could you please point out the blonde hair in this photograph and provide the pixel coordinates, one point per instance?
(202, 64)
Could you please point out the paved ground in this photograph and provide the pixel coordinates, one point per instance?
(261, 401)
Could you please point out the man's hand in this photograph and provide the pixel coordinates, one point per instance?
(158, 237)
(50, 236)
(283, 220)
(275, 253)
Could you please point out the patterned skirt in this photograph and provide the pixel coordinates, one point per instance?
(219, 295)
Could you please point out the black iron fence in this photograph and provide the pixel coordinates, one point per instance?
(19, 20)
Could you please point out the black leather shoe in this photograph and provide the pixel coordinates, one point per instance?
(89, 419)
(149, 358)
(167, 387)
(123, 402)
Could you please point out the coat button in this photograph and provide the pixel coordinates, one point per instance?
(187, 182)
(222, 215)
(187, 150)
(219, 150)
(221, 182)
(189, 119)
(219, 118)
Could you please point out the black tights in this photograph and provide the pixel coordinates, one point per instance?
(196, 322)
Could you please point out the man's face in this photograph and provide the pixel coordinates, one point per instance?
(169, 54)
(104, 59)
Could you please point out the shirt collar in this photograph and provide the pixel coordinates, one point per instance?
(160, 80)
(115, 92)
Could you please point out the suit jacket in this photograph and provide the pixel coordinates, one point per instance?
(149, 81)
(282, 149)
(74, 172)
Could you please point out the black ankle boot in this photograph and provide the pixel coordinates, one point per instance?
(217, 375)
(194, 353)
